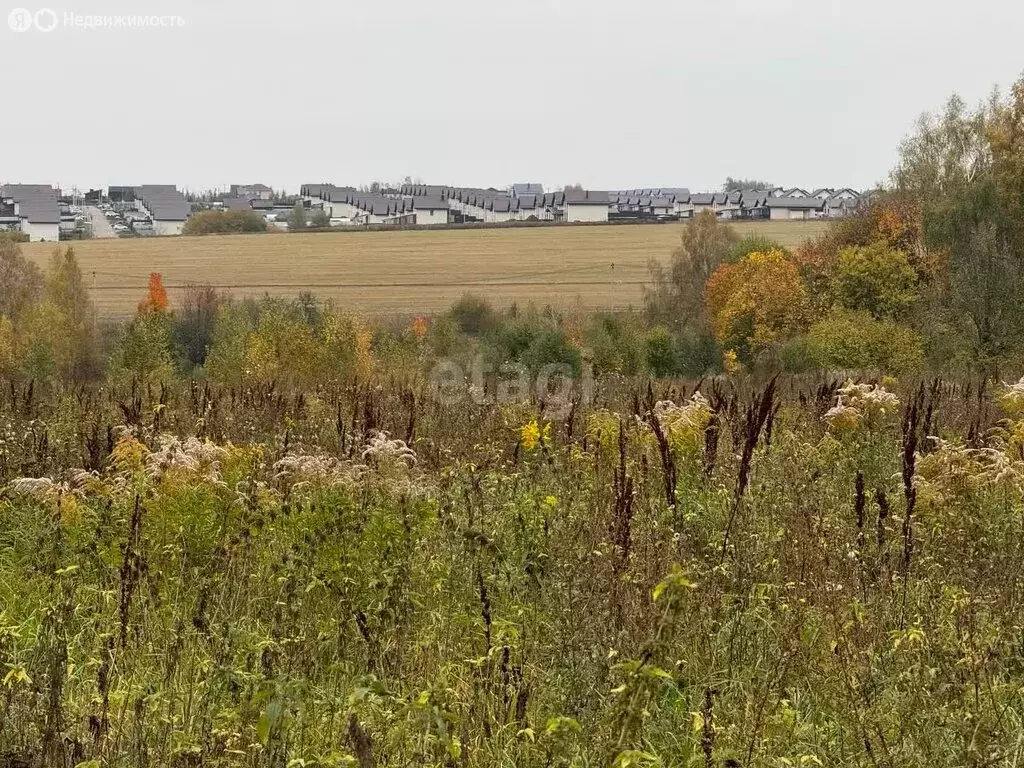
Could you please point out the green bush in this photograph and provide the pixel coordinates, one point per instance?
(855, 339)
(661, 352)
(225, 222)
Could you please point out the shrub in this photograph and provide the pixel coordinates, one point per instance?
(473, 315)
(855, 339)
(224, 222)
(875, 278)
(661, 353)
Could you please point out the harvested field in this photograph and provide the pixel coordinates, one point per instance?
(398, 272)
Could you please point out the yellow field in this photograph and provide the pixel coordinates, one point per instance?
(398, 272)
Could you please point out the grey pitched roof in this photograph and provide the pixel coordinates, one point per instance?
(500, 204)
(804, 203)
(339, 194)
(661, 202)
(164, 202)
(429, 204)
(704, 198)
(39, 203)
(527, 189)
(586, 197)
(237, 204)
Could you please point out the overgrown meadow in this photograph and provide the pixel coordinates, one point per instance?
(786, 572)
(257, 533)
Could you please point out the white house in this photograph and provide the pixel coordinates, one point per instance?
(430, 210)
(706, 201)
(586, 206)
(500, 209)
(338, 202)
(529, 206)
(36, 208)
(788, 208)
(165, 205)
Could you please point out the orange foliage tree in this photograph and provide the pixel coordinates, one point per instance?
(156, 295)
(756, 302)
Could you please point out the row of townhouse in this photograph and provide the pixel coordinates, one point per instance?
(165, 205)
(777, 203)
(32, 209)
(523, 202)
(349, 204)
(422, 204)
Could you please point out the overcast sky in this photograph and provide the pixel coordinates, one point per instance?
(607, 93)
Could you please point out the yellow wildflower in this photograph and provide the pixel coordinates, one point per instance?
(532, 434)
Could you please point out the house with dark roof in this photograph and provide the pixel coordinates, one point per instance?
(430, 210)
(36, 208)
(165, 205)
(707, 201)
(520, 190)
(586, 205)
(500, 209)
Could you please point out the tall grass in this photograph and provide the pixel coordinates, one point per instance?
(201, 577)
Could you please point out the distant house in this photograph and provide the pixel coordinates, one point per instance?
(165, 205)
(520, 190)
(551, 206)
(586, 205)
(431, 210)
(34, 209)
(121, 194)
(252, 191)
(796, 192)
(788, 208)
(339, 202)
(706, 201)
(840, 206)
(754, 205)
(529, 206)
(499, 209)
(237, 204)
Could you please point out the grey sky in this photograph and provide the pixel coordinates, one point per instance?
(475, 92)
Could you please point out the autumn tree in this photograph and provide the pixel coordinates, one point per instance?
(156, 295)
(876, 279)
(757, 302)
(675, 297)
(65, 322)
(21, 282)
(964, 169)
